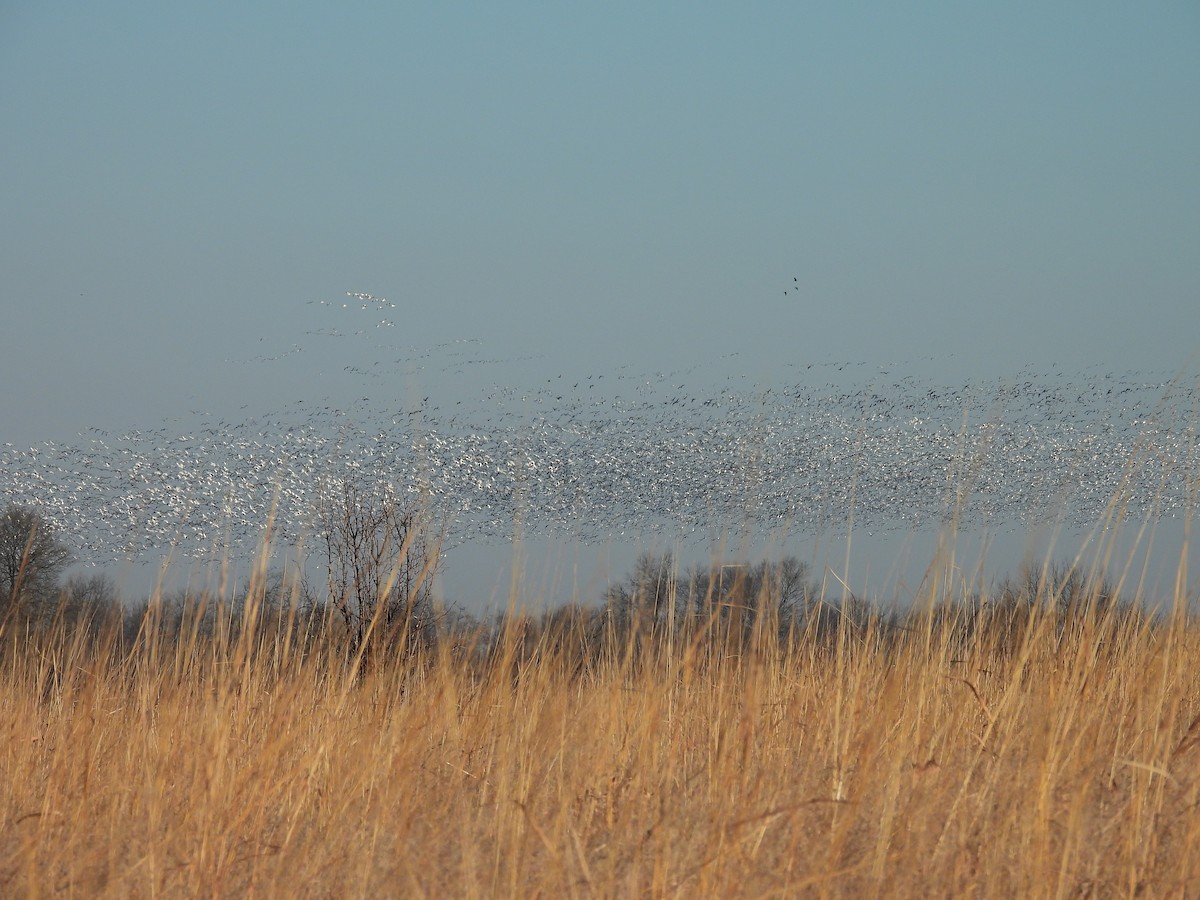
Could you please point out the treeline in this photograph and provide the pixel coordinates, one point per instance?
(375, 603)
(376, 585)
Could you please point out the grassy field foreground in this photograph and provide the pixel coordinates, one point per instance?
(1019, 746)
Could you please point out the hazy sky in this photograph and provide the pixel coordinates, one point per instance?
(965, 189)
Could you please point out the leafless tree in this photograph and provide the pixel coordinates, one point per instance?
(642, 599)
(741, 592)
(89, 601)
(733, 599)
(31, 557)
(381, 561)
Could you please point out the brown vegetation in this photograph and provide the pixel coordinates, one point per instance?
(1038, 742)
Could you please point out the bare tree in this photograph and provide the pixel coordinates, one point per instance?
(742, 591)
(31, 557)
(380, 563)
(90, 601)
(642, 599)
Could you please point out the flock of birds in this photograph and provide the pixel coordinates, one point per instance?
(631, 453)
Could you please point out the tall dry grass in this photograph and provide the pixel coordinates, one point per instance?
(1017, 745)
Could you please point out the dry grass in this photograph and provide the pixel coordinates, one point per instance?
(1009, 750)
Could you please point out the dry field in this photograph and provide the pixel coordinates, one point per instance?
(994, 747)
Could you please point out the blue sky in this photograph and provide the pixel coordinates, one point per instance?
(961, 190)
